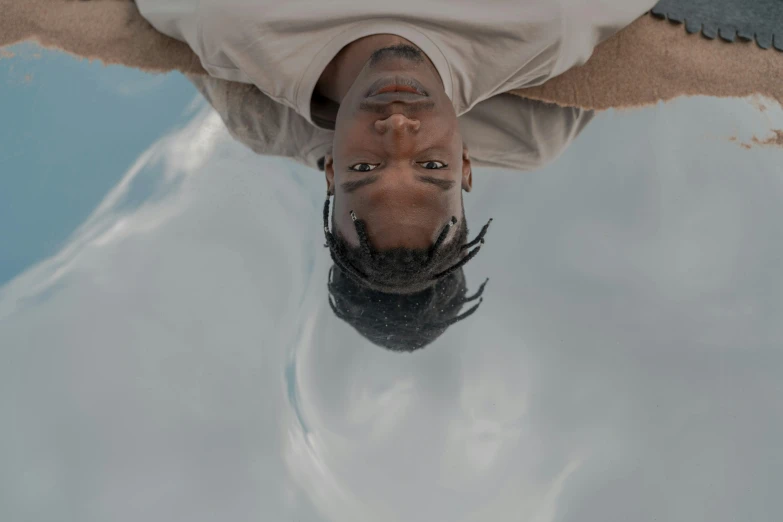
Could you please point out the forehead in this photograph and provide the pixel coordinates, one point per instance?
(385, 231)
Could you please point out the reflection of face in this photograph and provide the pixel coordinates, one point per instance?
(418, 438)
(399, 165)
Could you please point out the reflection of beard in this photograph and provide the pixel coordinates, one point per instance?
(405, 51)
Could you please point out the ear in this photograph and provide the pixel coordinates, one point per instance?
(467, 170)
(329, 173)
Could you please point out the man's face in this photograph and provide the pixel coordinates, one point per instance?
(389, 153)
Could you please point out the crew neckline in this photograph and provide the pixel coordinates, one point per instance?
(304, 91)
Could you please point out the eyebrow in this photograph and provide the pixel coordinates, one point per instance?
(350, 186)
(443, 184)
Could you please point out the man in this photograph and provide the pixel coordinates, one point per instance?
(398, 76)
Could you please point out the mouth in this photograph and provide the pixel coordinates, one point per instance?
(396, 84)
(397, 96)
(396, 88)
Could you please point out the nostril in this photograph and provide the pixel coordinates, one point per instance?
(397, 121)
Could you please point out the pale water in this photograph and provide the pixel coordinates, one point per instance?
(168, 352)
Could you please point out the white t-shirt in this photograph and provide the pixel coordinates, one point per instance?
(480, 48)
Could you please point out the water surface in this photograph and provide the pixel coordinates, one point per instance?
(168, 352)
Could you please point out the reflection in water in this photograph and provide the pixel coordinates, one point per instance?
(401, 322)
(179, 359)
(401, 269)
(182, 358)
(502, 131)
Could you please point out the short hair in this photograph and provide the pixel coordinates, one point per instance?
(400, 270)
(401, 322)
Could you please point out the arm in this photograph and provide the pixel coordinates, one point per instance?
(508, 131)
(654, 60)
(261, 124)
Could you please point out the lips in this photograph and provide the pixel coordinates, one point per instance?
(396, 84)
(396, 88)
(402, 96)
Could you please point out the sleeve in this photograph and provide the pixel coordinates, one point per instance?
(183, 21)
(175, 18)
(587, 23)
(509, 131)
(261, 124)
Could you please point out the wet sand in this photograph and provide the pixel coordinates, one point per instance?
(111, 31)
(649, 61)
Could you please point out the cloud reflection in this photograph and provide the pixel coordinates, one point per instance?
(178, 359)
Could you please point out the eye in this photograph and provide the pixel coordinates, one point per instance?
(436, 168)
(352, 167)
(444, 165)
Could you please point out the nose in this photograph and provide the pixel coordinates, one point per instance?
(396, 124)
